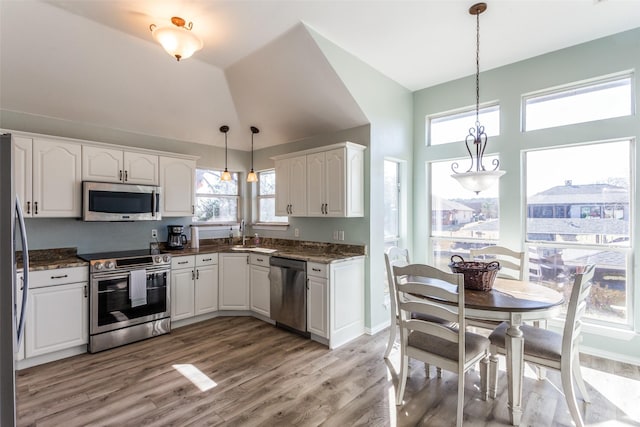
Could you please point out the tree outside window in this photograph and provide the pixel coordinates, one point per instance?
(217, 201)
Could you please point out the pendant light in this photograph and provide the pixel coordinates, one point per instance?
(177, 39)
(226, 176)
(252, 177)
(479, 179)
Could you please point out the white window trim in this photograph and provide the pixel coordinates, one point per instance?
(454, 112)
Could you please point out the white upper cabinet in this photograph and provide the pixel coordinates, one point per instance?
(291, 193)
(112, 165)
(177, 179)
(57, 179)
(332, 184)
(23, 172)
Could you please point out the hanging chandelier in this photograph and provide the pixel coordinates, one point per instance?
(479, 179)
(226, 176)
(177, 39)
(252, 177)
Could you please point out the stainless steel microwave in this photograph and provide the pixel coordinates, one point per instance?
(107, 201)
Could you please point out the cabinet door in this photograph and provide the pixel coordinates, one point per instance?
(177, 179)
(260, 290)
(234, 281)
(206, 290)
(335, 183)
(22, 172)
(102, 164)
(57, 178)
(282, 187)
(317, 306)
(315, 184)
(298, 186)
(57, 318)
(182, 293)
(140, 168)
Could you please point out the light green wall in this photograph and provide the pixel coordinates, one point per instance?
(507, 84)
(388, 106)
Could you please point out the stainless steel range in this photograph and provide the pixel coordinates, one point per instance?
(130, 297)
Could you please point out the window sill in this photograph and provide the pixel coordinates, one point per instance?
(623, 332)
(269, 226)
(214, 225)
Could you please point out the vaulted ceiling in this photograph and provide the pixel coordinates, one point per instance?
(95, 62)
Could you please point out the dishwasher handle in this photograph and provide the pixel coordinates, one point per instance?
(293, 264)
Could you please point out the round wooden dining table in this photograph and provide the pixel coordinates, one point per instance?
(514, 302)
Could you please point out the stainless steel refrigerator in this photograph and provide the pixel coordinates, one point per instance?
(12, 237)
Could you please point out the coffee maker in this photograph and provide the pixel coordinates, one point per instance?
(176, 239)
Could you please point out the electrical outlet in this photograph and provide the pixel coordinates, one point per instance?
(296, 232)
(154, 233)
(335, 234)
(341, 235)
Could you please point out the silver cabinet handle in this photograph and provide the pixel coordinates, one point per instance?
(193, 275)
(197, 274)
(316, 269)
(120, 179)
(35, 207)
(207, 259)
(183, 262)
(60, 277)
(86, 293)
(126, 176)
(28, 207)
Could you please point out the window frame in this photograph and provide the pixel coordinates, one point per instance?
(259, 197)
(237, 197)
(579, 86)
(464, 111)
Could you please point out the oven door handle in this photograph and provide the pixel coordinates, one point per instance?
(110, 276)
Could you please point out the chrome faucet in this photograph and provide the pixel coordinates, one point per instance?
(243, 230)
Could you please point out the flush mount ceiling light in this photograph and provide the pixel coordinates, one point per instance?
(479, 179)
(252, 177)
(226, 176)
(177, 39)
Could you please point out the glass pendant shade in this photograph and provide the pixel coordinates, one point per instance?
(478, 181)
(177, 39)
(252, 177)
(226, 175)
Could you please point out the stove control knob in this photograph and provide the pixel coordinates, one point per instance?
(109, 264)
(157, 259)
(166, 258)
(98, 266)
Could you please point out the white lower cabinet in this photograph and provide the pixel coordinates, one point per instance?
(260, 284)
(317, 302)
(335, 300)
(234, 281)
(194, 285)
(57, 312)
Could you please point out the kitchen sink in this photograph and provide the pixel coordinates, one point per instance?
(253, 249)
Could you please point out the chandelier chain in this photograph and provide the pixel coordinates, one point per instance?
(477, 67)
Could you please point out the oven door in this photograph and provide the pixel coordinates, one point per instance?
(110, 303)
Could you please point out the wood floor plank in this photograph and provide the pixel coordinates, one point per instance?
(265, 376)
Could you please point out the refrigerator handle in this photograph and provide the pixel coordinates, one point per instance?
(25, 263)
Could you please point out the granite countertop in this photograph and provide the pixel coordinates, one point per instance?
(320, 255)
(50, 259)
(324, 253)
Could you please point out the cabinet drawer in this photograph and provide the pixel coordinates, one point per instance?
(183, 262)
(259, 259)
(58, 276)
(206, 259)
(318, 270)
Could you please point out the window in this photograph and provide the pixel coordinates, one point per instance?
(216, 201)
(450, 127)
(267, 198)
(578, 213)
(581, 103)
(460, 219)
(391, 203)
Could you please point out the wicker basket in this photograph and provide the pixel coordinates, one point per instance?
(478, 276)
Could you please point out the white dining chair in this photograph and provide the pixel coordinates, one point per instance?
(454, 350)
(511, 262)
(550, 349)
(394, 256)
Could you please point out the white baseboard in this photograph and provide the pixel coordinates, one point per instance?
(378, 328)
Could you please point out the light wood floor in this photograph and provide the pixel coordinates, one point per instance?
(266, 376)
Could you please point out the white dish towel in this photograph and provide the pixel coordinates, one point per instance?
(138, 287)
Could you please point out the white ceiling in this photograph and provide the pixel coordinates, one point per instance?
(95, 61)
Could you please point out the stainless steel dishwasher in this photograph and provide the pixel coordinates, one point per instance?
(288, 279)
